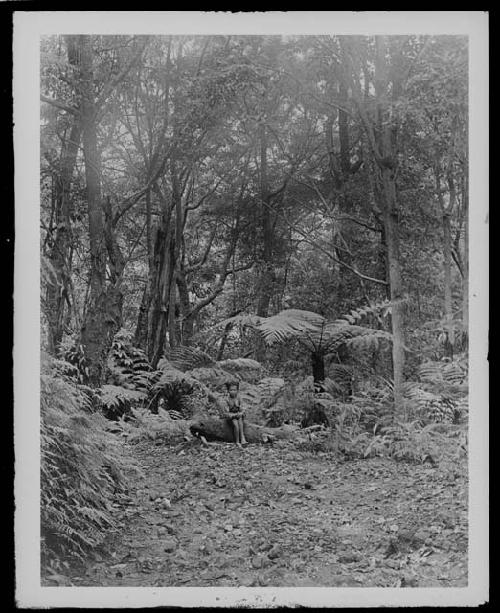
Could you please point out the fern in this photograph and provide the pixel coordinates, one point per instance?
(188, 358)
(118, 401)
(356, 315)
(82, 468)
(128, 366)
(292, 323)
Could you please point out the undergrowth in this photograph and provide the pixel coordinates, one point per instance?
(83, 469)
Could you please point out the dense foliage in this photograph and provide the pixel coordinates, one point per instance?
(285, 212)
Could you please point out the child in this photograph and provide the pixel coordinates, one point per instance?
(235, 413)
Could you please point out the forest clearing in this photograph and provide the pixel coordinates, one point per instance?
(254, 310)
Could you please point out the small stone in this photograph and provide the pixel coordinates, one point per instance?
(274, 552)
(409, 581)
(228, 527)
(348, 558)
(257, 561)
(169, 545)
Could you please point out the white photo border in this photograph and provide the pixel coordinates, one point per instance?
(28, 28)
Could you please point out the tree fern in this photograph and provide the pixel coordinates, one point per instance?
(305, 326)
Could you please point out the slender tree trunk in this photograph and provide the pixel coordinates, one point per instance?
(386, 163)
(188, 320)
(266, 277)
(159, 288)
(57, 291)
(446, 211)
(141, 330)
(391, 224)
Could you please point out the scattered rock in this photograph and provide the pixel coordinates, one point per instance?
(274, 552)
(169, 545)
(348, 558)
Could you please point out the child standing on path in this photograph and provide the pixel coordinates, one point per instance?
(235, 413)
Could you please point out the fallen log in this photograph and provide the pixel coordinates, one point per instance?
(219, 429)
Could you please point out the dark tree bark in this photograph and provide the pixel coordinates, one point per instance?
(57, 294)
(380, 132)
(446, 211)
(385, 158)
(266, 276)
(104, 311)
(161, 277)
(318, 368)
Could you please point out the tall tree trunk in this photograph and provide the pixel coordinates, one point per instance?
(160, 280)
(57, 290)
(446, 211)
(104, 313)
(386, 163)
(391, 224)
(266, 277)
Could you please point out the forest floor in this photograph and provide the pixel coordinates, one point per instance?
(275, 516)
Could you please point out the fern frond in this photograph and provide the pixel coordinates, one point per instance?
(188, 358)
(291, 323)
(113, 396)
(237, 364)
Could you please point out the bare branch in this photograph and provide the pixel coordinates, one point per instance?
(60, 105)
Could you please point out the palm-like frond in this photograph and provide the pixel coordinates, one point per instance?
(314, 331)
(292, 323)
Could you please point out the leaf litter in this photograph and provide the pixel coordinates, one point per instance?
(276, 516)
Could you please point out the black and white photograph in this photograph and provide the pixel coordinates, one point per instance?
(251, 308)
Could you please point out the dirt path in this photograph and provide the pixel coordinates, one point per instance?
(268, 516)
